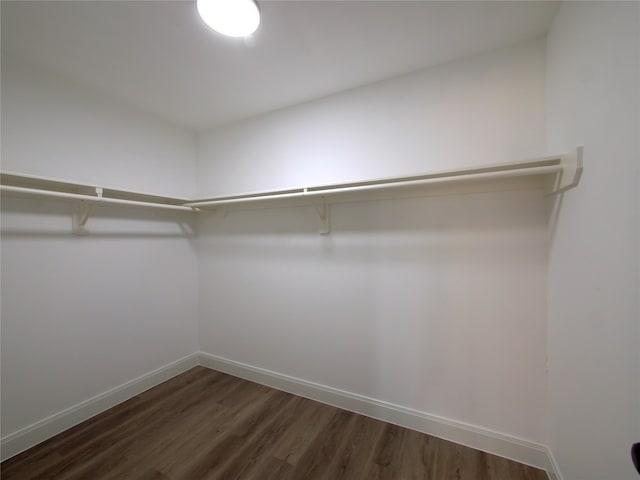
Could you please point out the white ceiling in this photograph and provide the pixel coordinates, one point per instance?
(159, 56)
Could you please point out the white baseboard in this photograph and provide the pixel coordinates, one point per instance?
(40, 431)
(554, 470)
(507, 446)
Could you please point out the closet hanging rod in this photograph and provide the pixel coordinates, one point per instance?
(329, 189)
(91, 198)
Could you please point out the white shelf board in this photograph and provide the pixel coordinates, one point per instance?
(31, 185)
(553, 173)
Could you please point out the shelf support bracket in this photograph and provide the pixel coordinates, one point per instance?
(79, 218)
(569, 177)
(323, 210)
(80, 215)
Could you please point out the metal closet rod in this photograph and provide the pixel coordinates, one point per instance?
(91, 198)
(318, 191)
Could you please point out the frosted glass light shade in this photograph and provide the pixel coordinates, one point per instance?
(233, 18)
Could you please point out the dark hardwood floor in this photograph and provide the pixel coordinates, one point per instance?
(205, 424)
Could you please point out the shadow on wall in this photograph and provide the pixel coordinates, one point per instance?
(28, 217)
(471, 228)
(554, 207)
(481, 211)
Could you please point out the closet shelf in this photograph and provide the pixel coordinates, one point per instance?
(555, 174)
(28, 185)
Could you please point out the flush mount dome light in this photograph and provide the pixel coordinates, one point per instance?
(233, 18)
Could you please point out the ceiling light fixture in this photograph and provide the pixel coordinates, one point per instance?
(233, 18)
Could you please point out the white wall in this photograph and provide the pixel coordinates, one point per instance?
(434, 304)
(594, 321)
(56, 128)
(83, 315)
(481, 110)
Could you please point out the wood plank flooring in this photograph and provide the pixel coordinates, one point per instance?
(205, 424)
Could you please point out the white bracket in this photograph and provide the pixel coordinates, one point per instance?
(571, 172)
(80, 215)
(323, 211)
(79, 218)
